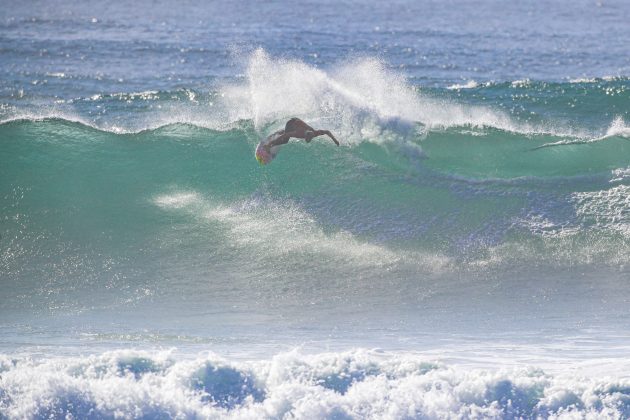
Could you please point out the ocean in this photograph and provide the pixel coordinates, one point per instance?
(464, 254)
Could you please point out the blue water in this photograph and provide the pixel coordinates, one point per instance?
(465, 253)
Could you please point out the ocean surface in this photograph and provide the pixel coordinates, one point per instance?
(465, 253)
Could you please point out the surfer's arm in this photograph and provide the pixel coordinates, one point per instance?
(317, 133)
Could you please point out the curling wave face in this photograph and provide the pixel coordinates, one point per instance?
(439, 179)
(428, 180)
(404, 216)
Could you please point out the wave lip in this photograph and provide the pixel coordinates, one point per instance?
(356, 99)
(357, 96)
(617, 128)
(353, 384)
(471, 84)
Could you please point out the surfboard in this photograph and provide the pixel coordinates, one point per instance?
(263, 156)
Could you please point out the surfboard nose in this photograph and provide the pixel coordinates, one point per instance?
(262, 156)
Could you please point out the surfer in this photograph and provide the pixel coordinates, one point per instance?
(295, 127)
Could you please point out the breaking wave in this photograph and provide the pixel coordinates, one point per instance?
(353, 384)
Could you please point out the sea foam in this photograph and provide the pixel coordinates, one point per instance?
(352, 384)
(275, 230)
(354, 94)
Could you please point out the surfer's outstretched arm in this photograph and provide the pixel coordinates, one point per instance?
(317, 133)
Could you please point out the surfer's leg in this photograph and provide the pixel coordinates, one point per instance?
(283, 139)
(318, 133)
(298, 127)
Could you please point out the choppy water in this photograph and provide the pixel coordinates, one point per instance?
(464, 254)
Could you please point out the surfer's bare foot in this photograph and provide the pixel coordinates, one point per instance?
(329, 134)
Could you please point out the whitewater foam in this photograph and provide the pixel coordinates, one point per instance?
(617, 128)
(597, 79)
(471, 84)
(620, 175)
(278, 230)
(605, 208)
(352, 384)
(357, 93)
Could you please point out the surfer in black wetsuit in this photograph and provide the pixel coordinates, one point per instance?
(298, 129)
(295, 127)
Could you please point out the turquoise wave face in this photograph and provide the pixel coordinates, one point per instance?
(154, 199)
(456, 193)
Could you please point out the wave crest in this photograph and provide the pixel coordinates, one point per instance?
(356, 95)
(361, 99)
